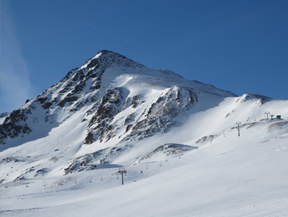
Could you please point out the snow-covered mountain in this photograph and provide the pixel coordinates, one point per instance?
(113, 112)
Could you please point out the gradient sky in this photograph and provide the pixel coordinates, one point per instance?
(235, 45)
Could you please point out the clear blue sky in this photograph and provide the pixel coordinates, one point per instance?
(235, 45)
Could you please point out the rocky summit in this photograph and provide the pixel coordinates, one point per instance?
(119, 97)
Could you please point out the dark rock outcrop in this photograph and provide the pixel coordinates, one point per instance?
(169, 149)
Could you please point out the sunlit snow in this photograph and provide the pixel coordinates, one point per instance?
(223, 174)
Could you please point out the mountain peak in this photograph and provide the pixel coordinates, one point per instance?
(109, 59)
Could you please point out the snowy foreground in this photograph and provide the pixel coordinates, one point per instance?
(226, 176)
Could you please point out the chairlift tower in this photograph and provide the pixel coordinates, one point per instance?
(267, 113)
(238, 123)
(122, 171)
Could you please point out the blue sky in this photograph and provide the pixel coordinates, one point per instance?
(240, 46)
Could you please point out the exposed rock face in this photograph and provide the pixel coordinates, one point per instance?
(111, 59)
(91, 161)
(103, 156)
(206, 139)
(88, 88)
(161, 114)
(14, 125)
(109, 106)
(170, 149)
(259, 98)
(74, 91)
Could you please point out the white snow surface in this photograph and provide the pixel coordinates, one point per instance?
(226, 175)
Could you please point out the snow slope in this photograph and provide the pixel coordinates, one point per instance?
(177, 140)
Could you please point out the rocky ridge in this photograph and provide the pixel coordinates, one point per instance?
(111, 110)
(81, 87)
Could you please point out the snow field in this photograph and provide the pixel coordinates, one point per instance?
(226, 175)
(232, 176)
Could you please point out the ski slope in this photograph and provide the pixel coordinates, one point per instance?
(226, 176)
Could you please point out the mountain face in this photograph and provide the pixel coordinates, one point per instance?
(107, 85)
(111, 105)
(184, 148)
